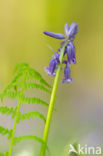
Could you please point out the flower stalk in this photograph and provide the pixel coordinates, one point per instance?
(51, 105)
(67, 49)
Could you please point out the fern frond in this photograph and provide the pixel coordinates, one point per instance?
(37, 86)
(25, 116)
(34, 100)
(9, 94)
(4, 131)
(20, 66)
(15, 90)
(30, 115)
(28, 86)
(45, 83)
(7, 111)
(12, 85)
(17, 140)
(18, 76)
(26, 100)
(35, 75)
(20, 71)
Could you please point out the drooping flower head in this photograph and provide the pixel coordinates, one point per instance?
(53, 65)
(69, 52)
(51, 68)
(67, 77)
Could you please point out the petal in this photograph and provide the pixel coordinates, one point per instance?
(73, 53)
(56, 57)
(54, 35)
(69, 54)
(67, 77)
(47, 69)
(52, 67)
(67, 81)
(73, 30)
(66, 29)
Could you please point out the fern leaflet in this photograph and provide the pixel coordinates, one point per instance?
(4, 131)
(34, 114)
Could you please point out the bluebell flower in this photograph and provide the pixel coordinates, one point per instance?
(70, 51)
(53, 65)
(68, 37)
(67, 77)
(70, 32)
(51, 68)
(56, 56)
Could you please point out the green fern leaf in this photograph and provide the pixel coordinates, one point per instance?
(23, 66)
(35, 75)
(34, 100)
(45, 83)
(19, 70)
(17, 140)
(7, 111)
(15, 90)
(12, 85)
(37, 86)
(34, 114)
(18, 76)
(20, 66)
(4, 131)
(28, 86)
(9, 94)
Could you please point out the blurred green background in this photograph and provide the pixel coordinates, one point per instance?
(79, 105)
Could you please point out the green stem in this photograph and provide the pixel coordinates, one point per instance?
(14, 128)
(16, 117)
(51, 104)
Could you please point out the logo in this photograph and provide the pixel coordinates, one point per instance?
(87, 150)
